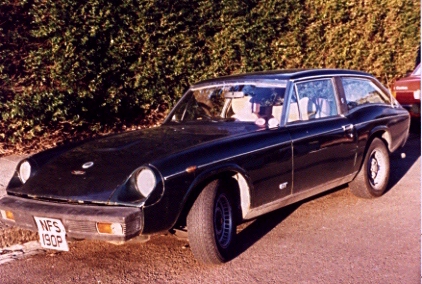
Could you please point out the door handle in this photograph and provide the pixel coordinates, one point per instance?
(348, 129)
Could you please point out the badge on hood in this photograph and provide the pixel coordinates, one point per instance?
(85, 166)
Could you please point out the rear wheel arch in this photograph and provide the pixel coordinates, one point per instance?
(382, 133)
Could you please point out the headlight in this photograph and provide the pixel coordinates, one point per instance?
(24, 171)
(145, 181)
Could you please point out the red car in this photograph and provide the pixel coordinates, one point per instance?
(408, 92)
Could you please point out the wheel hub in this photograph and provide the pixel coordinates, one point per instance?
(223, 221)
(376, 170)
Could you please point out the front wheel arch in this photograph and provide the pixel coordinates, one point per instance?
(242, 190)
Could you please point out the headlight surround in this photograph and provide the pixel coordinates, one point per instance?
(145, 181)
(24, 171)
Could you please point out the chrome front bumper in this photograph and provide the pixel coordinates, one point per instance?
(79, 220)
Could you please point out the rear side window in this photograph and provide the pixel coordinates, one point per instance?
(361, 91)
(312, 100)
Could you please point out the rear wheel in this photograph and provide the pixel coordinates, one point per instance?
(211, 224)
(372, 178)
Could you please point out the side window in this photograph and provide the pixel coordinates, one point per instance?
(314, 99)
(361, 91)
(255, 102)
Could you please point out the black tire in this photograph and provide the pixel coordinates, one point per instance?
(372, 179)
(212, 224)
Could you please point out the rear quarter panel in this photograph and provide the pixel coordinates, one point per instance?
(378, 120)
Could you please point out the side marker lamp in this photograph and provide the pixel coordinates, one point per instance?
(191, 169)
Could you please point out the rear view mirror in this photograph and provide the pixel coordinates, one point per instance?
(234, 95)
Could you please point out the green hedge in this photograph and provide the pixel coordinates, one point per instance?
(99, 64)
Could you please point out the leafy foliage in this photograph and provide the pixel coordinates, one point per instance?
(93, 66)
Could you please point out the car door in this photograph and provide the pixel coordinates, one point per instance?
(270, 167)
(323, 140)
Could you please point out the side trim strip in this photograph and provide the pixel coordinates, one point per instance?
(277, 204)
(380, 119)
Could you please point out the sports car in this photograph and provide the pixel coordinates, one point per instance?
(232, 149)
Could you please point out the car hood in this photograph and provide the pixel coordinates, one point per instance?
(94, 170)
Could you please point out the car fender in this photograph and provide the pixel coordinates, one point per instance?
(382, 132)
(221, 171)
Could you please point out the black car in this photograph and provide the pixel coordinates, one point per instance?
(232, 149)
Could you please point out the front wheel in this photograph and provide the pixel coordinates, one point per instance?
(211, 224)
(372, 178)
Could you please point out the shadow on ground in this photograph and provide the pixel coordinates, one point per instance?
(399, 165)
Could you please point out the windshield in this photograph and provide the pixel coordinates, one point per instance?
(242, 102)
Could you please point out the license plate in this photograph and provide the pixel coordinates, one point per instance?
(52, 233)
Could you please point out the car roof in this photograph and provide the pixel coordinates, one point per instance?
(288, 74)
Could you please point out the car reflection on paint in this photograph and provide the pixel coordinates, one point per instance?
(232, 149)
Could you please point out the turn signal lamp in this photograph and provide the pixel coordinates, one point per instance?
(110, 228)
(8, 215)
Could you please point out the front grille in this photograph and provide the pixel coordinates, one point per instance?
(80, 226)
